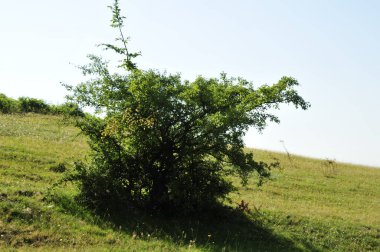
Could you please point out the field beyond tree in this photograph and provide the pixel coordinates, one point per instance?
(308, 205)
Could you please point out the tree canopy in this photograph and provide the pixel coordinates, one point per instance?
(164, 143)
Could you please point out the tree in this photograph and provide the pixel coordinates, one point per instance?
(164, 143)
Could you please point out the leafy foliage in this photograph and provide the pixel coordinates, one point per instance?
(33, 105)
(8, 105)
(117, 21)
(67, 109)
(164, 143)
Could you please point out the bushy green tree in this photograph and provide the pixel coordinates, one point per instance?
(164, 143)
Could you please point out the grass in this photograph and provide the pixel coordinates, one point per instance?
(309, 205)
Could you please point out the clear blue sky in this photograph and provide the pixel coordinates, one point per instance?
(331, 47)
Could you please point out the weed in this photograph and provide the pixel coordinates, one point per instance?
(58, 168)
(329, 168)
(243, 206)
(290, 158)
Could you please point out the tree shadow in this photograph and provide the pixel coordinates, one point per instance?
(219, 229)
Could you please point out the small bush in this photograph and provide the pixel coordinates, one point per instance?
(8, 105)
(68, 109)
(33, 105)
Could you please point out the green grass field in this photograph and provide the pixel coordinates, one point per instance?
(309, 205)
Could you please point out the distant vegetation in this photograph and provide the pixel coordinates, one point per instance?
(33, 105)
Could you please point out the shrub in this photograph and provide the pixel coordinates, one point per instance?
(167, 144)
(33, 105)
(26, 105)
(8, 105)
(68, 109)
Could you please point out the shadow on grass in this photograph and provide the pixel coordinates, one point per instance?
(220, 229)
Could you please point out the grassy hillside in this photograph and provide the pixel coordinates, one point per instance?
(310, 205)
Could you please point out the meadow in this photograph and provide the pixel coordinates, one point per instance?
(308, 205)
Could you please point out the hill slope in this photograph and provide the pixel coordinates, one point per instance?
(309, 205)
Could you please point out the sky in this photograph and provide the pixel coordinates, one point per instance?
(331, 47)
